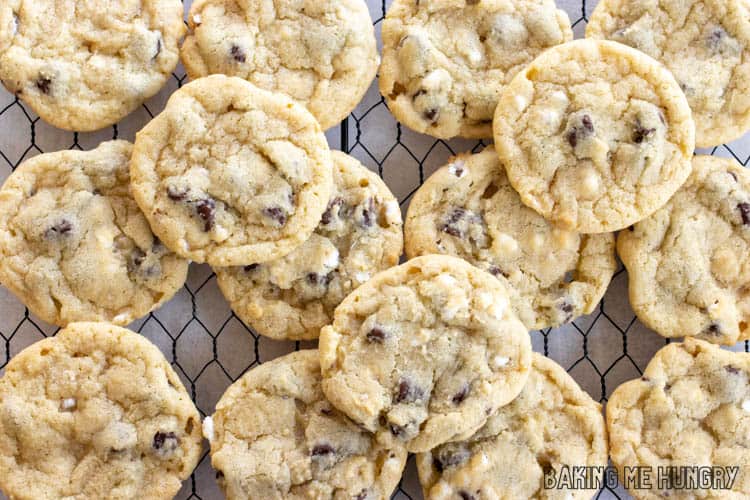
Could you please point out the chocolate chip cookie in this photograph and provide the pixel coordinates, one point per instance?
(445, 62)
(74, 246)
(689, 263)
(322, 53)
(469, 209)
(95, 412)
(275, 436)
(425, 352)
(553, 423)
(230, 174)
(84, 65)
(358, 236)
(594, 135)
(690, 408)
(704, 43)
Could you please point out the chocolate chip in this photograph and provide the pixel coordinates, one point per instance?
(734, 176)
(744, 209)
(316, 279)
(496, 271)
(368, 213)
(219, 474)
(645, 379)
(667, 387)
(449, 458)
(641, 133)
(362, 495)
(176, 194)
(206, 210)
(377, 335)
(431, 115)
(276, 214)
(61, 228)
(238, 54)
(490, 191)
(465, 495)
(715, 39)
(714, 329)
(407, 392)
(577, 132)
(334, 204)
(158, 49)
(165, 442)
(397, 430)
(459, 397)
(43, 84)
(251, 268)
(321, 450)
(451, 223)
(732, 369)
(326, 411)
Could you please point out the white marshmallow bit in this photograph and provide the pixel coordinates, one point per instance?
(362, 276)
(208, 428)
(332, 259)
(746, 405)
(499, 362)
(446, 280)
(520, 102)
(392, 211)
(68, 404)
(119, 319)
(458, 169)
(197, 19)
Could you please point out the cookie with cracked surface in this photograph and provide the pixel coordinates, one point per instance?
(689, 263)
(552, 424)
(424, 352)
(275, 436)
(322, 53)
(95, 412)
(704, 43)
(445, 62)
(230, 174)
(83, 67)
(359, 235)
(469, 209)
(594, 135)
(74, 246)
(690, 408)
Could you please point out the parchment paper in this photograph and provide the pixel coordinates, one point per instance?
(210, 347)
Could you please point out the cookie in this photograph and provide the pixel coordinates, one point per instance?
(321, 53)
(424, 352)
(690, 408)
(83, 66)
(704, 43)
(445, 62)
(275, 436)
(359, 235)
(230, 174)
(689, 263)
(469, 209)
(95, 412)
(553, 423)
(594, 135)
(74, 245)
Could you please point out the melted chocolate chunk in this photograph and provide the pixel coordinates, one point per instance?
(206, 210)
(43, 84)
(362, 495)
(276, 214)
(158, 49)
(176, 194)
(459, 397)
(407, 392)
(732, 369)
(714, 329)
(165, 442)
(328, 215)
(452, 223)
(585, 129)
(251, 268)
(316, 279)
(323, 449)
(219, 474)
(431, 115)
(465, 495)
(496, 271)
(449, 458)
(59, 229)
(368, 213)
(641, 133)
(238, 54)
(734, 176)
(397, 430)
(377, 335)
(744, 209)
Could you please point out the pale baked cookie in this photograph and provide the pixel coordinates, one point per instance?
(594, 135)
(445, 62)
(689, 263)
(690, 408)
(275, 436)
(95, 412)
(230, 174)
(469, 209)
(704, 43)
(553, 423)
(74, 246)
(322, 53)
(424, 352)
(84, 65)
(359, 235)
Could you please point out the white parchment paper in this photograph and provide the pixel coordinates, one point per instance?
(209, 347)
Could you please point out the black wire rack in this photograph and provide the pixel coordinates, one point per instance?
(210, 347)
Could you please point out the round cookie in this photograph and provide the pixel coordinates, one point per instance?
(689, 263)
(321, 53)
(74, 246)
(445, 62)
(469, 209)
(95, 412)
(594, 135)
(230, 174)
(690, 408)
(552, 424)
(422, 353)
(275, 436)
(359, 235)
(704, 43)
(82, 65)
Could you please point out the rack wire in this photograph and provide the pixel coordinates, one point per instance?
(210, 347)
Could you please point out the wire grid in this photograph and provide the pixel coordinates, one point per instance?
(210, 347)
